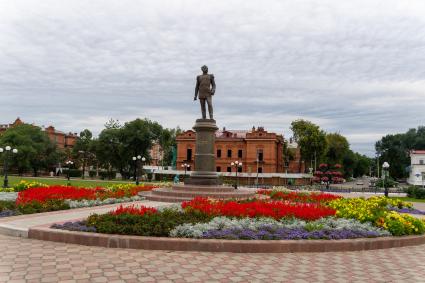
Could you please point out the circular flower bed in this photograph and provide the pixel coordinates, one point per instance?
(281, 215)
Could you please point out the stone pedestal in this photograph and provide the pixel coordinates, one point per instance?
(203, 181)
(205, 170)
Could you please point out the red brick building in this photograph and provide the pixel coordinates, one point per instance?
(62, 140)
(258, 150)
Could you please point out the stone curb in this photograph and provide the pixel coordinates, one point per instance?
(213, 245)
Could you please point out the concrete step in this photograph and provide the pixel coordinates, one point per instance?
(161, 198)
(192, 194)
(185, 187)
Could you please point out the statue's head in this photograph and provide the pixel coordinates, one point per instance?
(204, 69)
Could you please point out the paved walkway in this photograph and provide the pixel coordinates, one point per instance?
(19, 225)
(28, 260)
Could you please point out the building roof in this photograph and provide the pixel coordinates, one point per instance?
(240, 134)
(417, 151)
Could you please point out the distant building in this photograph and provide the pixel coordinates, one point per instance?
(258, 150)
(156, 154)
(417, 168)
(61, 139)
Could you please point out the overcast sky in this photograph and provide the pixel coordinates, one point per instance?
(354, 67)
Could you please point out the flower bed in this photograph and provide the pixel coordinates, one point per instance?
(283, 216)
(50, 198)
(258, 208)
(299, 197)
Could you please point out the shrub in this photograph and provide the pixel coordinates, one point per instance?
(389, 183)
(415, 192)
(107, 175)
(152, 224)
(7, 205)
(37, 207)
(92, 173)
(75, 173)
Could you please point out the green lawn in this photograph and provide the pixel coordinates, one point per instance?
(62, 181)
(409, 199)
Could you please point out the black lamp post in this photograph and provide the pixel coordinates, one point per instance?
(386, 167)
(237, 165)
(137, 160)
(185, 166)
(69, 163)
(6, 151)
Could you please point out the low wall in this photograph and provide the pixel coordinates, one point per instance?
(216, 245)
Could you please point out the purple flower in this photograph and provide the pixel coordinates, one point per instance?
(287, 234)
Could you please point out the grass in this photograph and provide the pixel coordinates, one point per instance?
(409, 199)
(62, 181)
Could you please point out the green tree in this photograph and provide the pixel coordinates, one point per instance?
(117, 144)
(35, 150)
(83, 150)
(337, 148)
(310, 138)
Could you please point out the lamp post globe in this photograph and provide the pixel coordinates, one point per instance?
(6, 160)
(386, 166)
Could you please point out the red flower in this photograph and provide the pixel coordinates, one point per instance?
(142, 210)
(56, 192)
(259, 208)
(322, 165)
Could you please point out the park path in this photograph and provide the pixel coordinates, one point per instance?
(19, 225)
(31, 261)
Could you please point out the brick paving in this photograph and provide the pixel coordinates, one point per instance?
(28, 260)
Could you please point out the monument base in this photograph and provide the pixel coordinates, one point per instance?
(186, 192)
(204, 180)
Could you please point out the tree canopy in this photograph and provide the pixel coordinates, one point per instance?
(35, 150)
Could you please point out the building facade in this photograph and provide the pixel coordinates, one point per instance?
(417, 168)
(258, 150)
(61, 139)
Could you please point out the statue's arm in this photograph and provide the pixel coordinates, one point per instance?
(212, 84)
(196, 88)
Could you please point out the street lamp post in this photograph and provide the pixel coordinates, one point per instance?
(385, 167)
(185, 166)
(6, 156)
(69, 163)
(237, 165)
(137, 160)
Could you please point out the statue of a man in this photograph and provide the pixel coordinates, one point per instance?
(205, 88)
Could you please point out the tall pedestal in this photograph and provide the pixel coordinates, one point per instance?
(205, 170)
(204, 181)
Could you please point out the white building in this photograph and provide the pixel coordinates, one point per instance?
(417, 168)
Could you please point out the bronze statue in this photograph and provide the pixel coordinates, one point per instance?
(205, 87)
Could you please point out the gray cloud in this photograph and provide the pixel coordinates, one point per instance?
(356, 67)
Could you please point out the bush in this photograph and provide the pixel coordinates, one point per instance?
(7, 205)
(37, 207)
(389, 183)
(108, 175)
(415, 192)
(157, 224)
(75, 173)
(92, 173)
